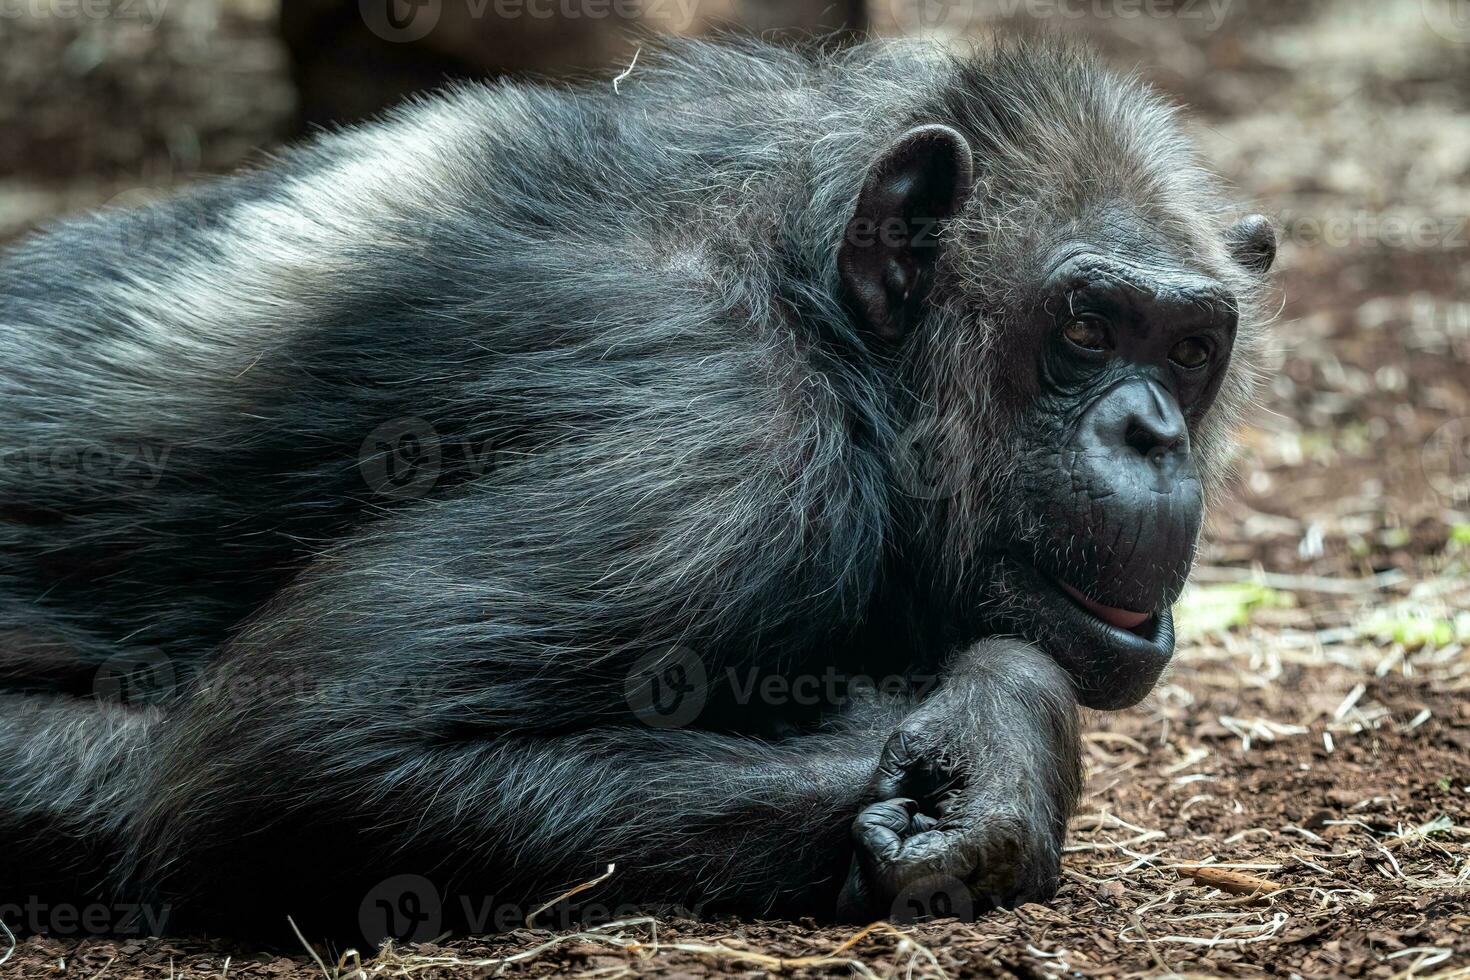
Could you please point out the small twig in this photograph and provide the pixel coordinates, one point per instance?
(625, 72)
(1234, 882)
(356, 958)
(1149, 945)
(309, 948)
(569, 893)
(1300, 583)
(10, 937)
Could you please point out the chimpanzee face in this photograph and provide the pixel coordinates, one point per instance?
(1102, 361)
(1126, 351)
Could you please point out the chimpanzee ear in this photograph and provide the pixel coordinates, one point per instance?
(1252, 243)
(886, 259)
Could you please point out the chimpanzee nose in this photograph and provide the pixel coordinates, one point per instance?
(1130, 501)
(1139, 422)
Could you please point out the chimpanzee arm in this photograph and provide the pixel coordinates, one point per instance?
(303, 806)
(689, 818)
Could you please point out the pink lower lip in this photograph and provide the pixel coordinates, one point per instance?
(1125, 619)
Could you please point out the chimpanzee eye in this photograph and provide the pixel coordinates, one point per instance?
(1191, 353)
(1089, 333)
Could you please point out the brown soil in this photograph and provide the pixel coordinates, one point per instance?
(1321, 746)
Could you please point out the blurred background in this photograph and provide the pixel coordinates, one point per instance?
(1325, 651)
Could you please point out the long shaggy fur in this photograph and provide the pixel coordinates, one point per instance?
(612, 315)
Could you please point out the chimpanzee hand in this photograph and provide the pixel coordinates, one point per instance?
(972, 793)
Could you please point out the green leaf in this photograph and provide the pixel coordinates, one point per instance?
(1205, 609)
(1414, 629)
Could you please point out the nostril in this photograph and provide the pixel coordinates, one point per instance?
(1155, 442)
(1137, 419)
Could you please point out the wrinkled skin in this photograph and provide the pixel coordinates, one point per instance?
(966, 817)
(1110, 494)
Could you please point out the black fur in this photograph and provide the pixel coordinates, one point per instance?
(396, 459)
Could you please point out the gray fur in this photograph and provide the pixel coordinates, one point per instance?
(628, 297)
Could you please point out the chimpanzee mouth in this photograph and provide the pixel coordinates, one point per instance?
(1113, 655)
(1123, 619)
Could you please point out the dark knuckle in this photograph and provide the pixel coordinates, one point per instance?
(1010, 826)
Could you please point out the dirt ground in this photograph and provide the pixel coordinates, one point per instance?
(1295, 799)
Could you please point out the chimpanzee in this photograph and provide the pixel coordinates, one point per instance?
(735, 472)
